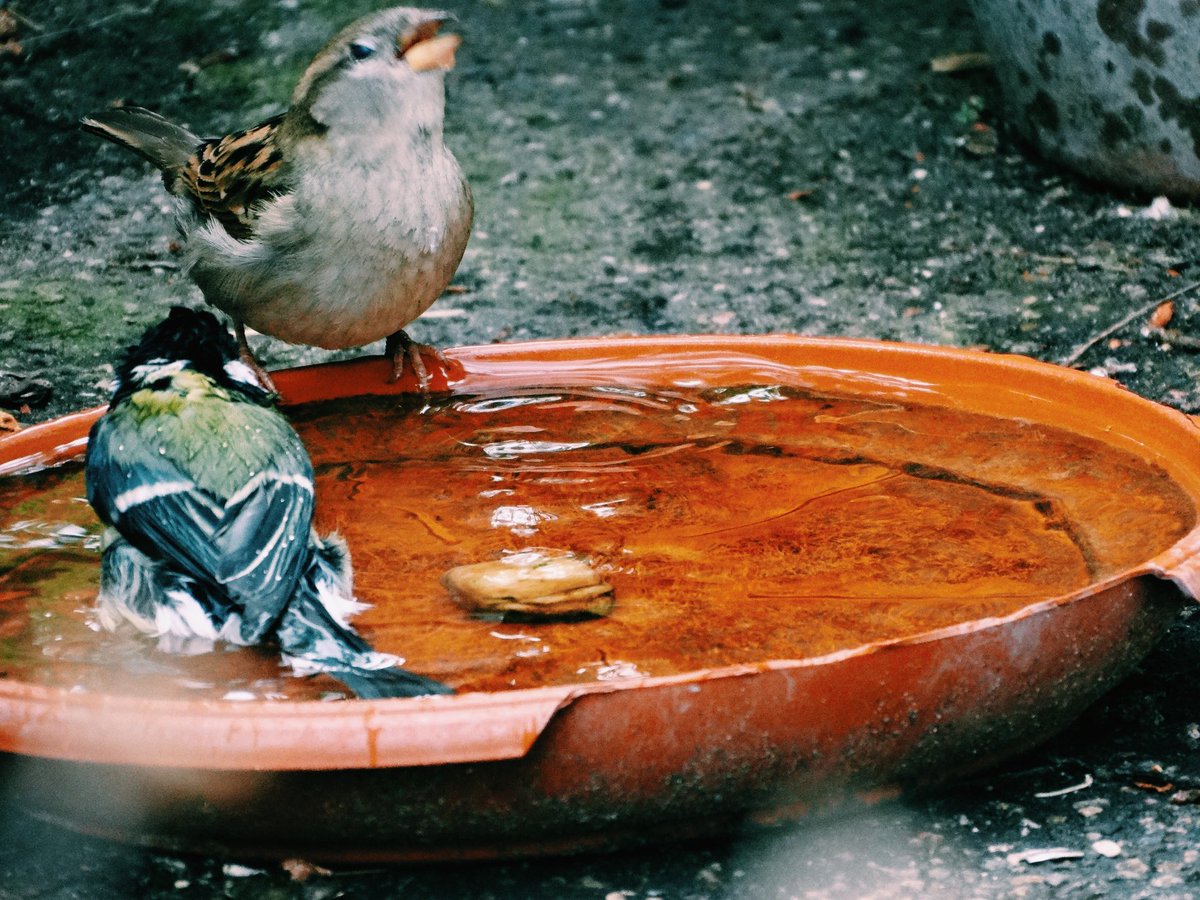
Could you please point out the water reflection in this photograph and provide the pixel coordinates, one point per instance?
(735, 524)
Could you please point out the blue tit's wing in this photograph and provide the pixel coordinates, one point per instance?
(264, 541)
(252, 544)
(153, 502)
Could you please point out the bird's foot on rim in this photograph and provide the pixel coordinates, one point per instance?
(402, 350)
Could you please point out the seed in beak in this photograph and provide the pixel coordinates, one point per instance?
(433, 53)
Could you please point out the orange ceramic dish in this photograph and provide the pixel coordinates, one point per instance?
(840, 568)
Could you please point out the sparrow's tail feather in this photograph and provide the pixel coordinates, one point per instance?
(146, 133)
(313, 640)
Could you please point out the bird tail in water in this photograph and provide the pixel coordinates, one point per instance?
(314, 637)
(146, 133)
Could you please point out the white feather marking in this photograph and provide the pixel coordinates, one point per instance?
(113, 611)
(239, 371)
(182, 616)
(300, 481)
(155, 369)
(302, 665)
(373, 659)
(342, 607)
(184, 646)
(145, 492)
(268, 549)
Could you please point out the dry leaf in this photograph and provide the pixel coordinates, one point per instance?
(1157, 788)
(980, 140)
(1163, 314)
(8, 423)
(959, 62)
(301, 869)
(724, 317)
(1049, 854)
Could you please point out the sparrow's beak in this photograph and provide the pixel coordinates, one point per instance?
(425, 50)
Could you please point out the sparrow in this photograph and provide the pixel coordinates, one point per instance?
(207, 493)
(339, 221)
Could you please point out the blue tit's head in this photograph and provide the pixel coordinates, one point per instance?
(187, 340)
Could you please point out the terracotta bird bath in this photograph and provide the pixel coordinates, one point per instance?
(840, 569)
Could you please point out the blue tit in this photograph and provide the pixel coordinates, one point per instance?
(208, 493)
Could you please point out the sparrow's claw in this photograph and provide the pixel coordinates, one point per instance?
(400, 348)
(246, 355)
(409, 350)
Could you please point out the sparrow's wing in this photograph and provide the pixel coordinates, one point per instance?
(227, 178)
(252, 545)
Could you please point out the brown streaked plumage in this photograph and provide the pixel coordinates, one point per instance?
(228, 177)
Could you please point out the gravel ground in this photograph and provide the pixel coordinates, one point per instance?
(669, 166)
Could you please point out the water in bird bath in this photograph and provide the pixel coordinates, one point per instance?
(736, 525)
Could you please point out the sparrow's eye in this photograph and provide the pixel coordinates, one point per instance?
(360, 50)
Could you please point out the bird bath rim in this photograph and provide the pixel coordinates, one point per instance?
(478, 727)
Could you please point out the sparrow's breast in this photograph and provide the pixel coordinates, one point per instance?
(353, 254)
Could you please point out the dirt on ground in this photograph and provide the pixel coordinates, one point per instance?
(647, 166)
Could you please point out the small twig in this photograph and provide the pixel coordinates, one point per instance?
(1143, 310)
(151, 264)
(1049, 854)
(1177, 338)
(959, 62)
(25, 20)
(1086, 783)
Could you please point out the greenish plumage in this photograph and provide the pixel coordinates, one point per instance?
(210, 496)
(220, 437)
